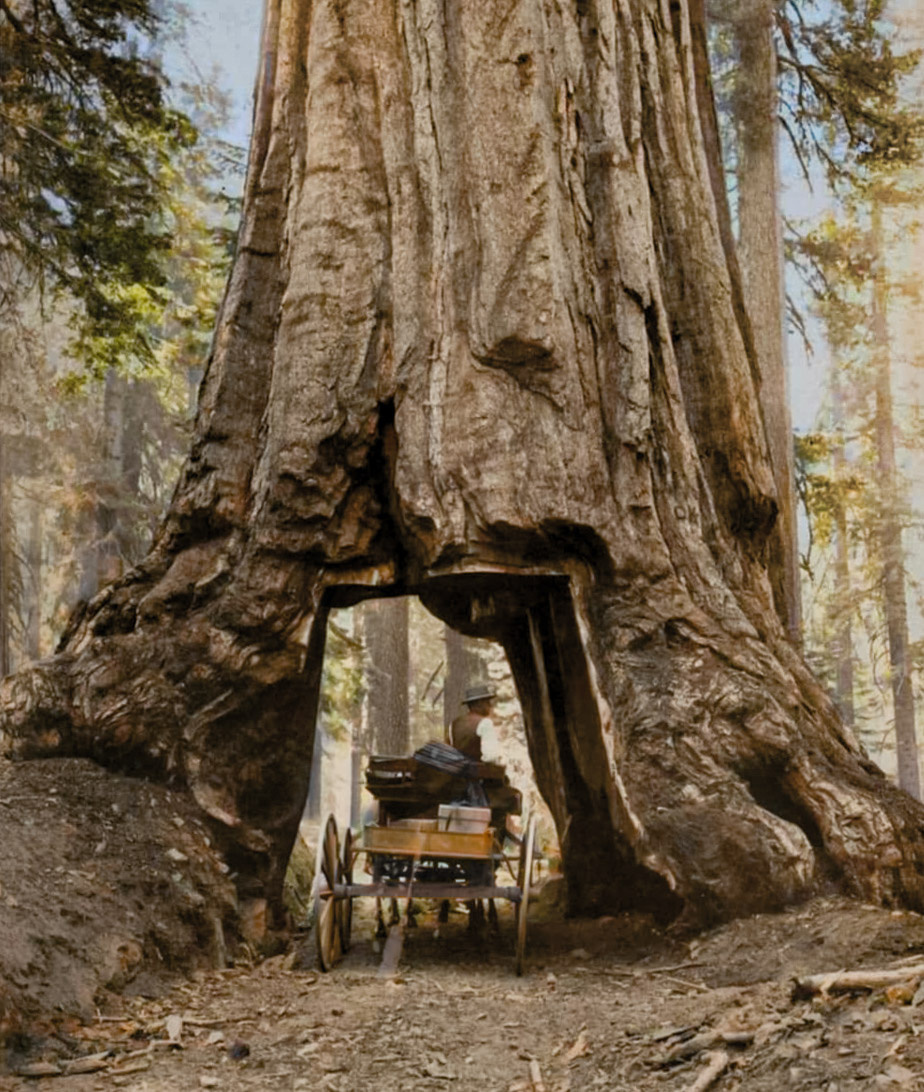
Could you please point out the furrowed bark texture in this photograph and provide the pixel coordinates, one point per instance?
(483, 341)
(756, 111)
(385, 633)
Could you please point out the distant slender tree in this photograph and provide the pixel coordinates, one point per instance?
(853, 286)
(843, 605)
(829, 78)
(385, 629)
(455, 677)
(890, 526)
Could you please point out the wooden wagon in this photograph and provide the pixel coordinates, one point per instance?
(439, 832)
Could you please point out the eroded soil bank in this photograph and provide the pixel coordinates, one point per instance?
(106, 883)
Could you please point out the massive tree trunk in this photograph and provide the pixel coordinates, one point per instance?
(6, 561)
(483, 340)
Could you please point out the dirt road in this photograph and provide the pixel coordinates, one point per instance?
(611, 1004)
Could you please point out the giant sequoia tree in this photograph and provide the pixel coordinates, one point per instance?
(484, 340)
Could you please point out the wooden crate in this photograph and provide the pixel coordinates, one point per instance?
(402, 842)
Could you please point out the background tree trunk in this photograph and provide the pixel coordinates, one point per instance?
(32, 591)
(761, 251)
(843, 599)
(385, 626)
(890, 531)
(484, 340)
(464, 668)
(456, 678)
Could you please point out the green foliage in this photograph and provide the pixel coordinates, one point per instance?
(840, 83)
(103, 479)
(86, 134)
(342, 683)
(838, 464)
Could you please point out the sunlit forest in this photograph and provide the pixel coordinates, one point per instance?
(462, 453)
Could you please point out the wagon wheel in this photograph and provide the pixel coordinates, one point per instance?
(524, 878)
(345, 906)
(327, 873)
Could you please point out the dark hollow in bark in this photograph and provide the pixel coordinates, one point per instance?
(484, 341)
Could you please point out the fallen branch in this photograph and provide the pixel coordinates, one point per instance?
(89, 1063)
(846, 981)
(640, 972)
(698, 986)
(705, 1040)
(217, 1021)
(689, 1048)
(39, 1069)
(689, 965)
(105, 1063)
(136, 1067)
(716, 1064)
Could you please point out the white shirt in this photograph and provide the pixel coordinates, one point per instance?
(490, 742)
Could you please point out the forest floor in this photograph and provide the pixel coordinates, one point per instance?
(112, 903)
(613, 1004)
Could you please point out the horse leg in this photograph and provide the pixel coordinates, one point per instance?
(492, 916)
(475, 913)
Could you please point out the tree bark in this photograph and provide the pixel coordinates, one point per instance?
(843, 596)
(464, 668)
(484, 341)
(755, 105)
(385, 625)
(456, 678)
(890, 531)
(6, 559)
(32, 585)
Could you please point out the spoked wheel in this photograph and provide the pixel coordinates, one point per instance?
(524, 878)
(327, 873)
(345, 906)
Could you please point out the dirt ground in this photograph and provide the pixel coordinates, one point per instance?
(113, 902)
(610, 1004)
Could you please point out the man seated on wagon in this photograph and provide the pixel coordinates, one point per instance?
(473, 732)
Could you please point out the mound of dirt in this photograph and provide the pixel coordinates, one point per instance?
(820, 936)
(107, 883)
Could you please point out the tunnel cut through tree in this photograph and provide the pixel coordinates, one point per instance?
(484, 341)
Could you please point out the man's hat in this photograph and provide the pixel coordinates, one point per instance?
(479, 693)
